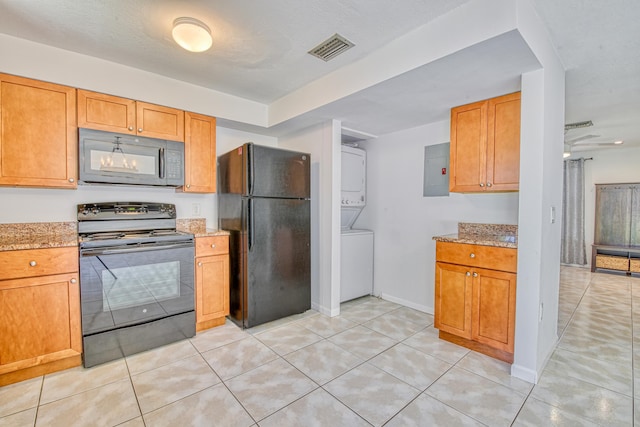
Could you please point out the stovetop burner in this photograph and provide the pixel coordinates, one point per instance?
(123, 223)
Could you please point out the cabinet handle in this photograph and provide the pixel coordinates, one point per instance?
(482, 184)
(73, 280)
(475, 274)
(488, 184)
(213, 246)
(33, 263)
(139, 129)
(472, 255)
(468, 274)
(71, 180)
(199, 264)
(188, 185)
(130, 127)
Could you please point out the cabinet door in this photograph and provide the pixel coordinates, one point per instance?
(199, 153)
(468, 148)
(156, 121)
(106, 112)
(38, 134)
(453, 299)
(39, 319)
(212, 287)
(494, 308)
(503, 143)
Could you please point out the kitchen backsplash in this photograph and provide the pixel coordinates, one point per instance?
(487, 229)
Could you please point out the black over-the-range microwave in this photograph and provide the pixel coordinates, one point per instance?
(113, 158)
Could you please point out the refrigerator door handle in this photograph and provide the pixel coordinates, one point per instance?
(251, 170)
(250, 225)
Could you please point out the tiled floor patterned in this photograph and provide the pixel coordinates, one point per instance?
(377, 363)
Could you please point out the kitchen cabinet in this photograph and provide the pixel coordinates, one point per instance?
(39, 313)
(114, 114)
(199, 153)
(212, 281)
(485, 145)
(38, 136)
(475, 297)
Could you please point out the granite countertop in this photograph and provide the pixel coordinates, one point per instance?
(38, 235)
(198, 227)
(499, 235)
(42, 235)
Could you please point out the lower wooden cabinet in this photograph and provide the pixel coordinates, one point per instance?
(212, 281)
(474, 305)
(40, 328)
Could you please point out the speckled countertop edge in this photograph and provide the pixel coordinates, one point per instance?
(498, 235)
(42, 235)
(38, 235)
(198, 227)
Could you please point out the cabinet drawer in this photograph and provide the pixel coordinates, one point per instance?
(37, 262)
(490, 257)
(212, 245)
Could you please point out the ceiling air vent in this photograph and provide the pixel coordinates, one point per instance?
(331, 47)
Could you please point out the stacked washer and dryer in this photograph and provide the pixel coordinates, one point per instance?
(356, 259)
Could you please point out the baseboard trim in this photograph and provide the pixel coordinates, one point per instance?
(529, 375)
(407, 303)
(324, 310)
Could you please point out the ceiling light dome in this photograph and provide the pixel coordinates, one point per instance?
(191, 34)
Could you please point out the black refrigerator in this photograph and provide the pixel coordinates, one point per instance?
(264, 202)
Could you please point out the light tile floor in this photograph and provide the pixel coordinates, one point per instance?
(377, 363)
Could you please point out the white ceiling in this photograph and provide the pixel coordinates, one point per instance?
(260, 53)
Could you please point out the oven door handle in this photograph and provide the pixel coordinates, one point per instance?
(138, 248)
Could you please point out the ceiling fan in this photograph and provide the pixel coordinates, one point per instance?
(582, 140)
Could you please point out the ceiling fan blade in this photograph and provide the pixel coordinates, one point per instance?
(580, 138)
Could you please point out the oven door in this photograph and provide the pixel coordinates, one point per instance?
(123, 286)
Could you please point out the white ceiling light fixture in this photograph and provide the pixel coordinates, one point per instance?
(192, 34)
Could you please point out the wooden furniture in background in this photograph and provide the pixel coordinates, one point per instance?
(485, 145)
(212, 281)
(475, 297)
(617, 228)
(114, 114)
(39, 313)
(39, 138)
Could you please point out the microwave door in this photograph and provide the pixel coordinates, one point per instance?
(120, 163)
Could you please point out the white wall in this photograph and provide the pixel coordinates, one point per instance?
(38, 61)
(541, 146)
(53, 205)
(404, 221)
(322, 142)
(609, 166)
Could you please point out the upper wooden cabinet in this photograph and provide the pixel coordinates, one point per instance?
(199, 153)
(115, 114)
(38, 137)
(485, 145)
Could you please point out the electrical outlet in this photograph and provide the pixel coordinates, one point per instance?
(195, 209)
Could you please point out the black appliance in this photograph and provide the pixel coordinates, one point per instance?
(114, 158)
(136, 279)
(264, 202)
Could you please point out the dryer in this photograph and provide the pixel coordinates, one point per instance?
(356, 246)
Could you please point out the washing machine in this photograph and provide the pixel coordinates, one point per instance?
(356, 264)
(356, 246)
